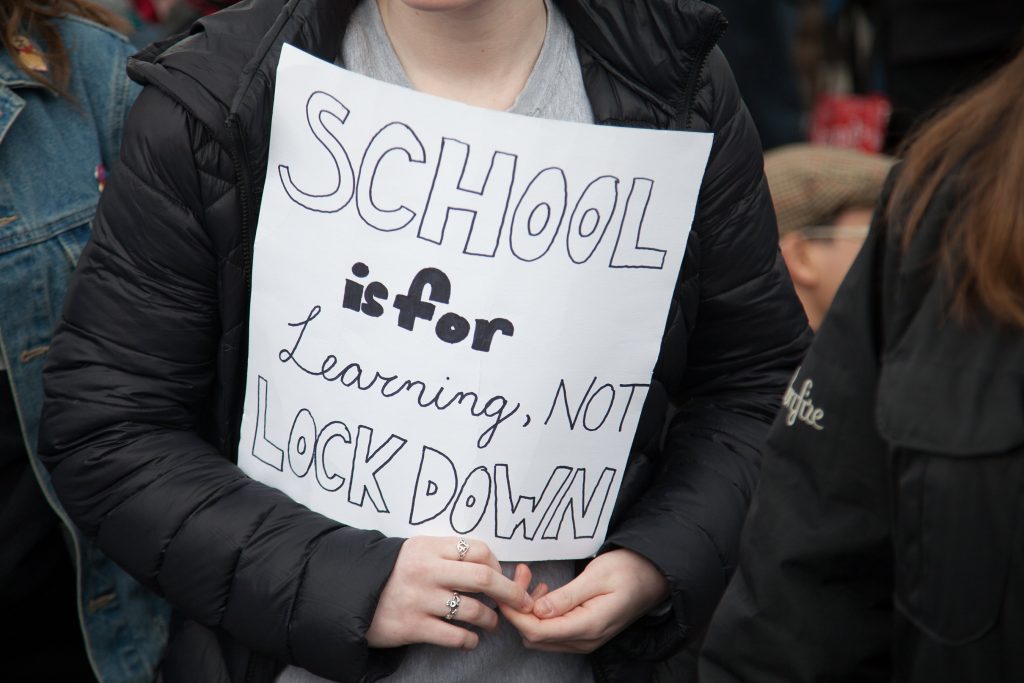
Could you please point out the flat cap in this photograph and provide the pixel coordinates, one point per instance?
(811, 184)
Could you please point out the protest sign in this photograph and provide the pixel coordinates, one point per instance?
(455, 312)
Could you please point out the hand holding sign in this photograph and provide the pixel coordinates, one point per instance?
(427, 572)
(612, 592)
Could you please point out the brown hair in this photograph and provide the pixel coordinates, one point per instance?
(981, 141)
(31, 18)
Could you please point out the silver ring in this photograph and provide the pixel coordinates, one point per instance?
(463, 548)
(452, 604)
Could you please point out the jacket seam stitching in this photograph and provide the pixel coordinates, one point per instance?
(160, 191)
(218, 491)
(311, 547)
(241, 551)
(647, 95)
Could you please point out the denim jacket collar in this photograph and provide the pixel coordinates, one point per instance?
(11, 76)
(11, 79)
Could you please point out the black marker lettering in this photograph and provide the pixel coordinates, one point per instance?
(322, 109)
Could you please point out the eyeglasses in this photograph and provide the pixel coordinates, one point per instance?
(834, 232)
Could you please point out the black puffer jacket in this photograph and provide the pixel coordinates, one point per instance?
(145, 377)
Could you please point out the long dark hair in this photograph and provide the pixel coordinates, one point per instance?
(32, 19)
(981, 139)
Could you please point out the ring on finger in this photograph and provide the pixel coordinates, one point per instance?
(462, 548)
(452, 604)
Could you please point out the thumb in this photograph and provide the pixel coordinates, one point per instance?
(568, 597)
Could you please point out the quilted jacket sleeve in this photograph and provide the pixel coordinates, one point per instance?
(725, 362)
(131, 368)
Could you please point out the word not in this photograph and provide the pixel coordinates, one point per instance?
(594, 406)
(480, 207)
(451, 327)
(350, 466)
(390, 386)
(799, 405)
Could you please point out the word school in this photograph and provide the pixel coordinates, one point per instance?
(480, 208)
(347, 462)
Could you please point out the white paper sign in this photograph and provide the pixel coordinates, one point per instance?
(456, 312)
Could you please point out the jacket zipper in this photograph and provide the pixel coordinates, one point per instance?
(691, 84)
(238, 156)
(242, 173)
(250, 668)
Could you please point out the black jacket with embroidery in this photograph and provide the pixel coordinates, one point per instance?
(144, 381)
(886, 538)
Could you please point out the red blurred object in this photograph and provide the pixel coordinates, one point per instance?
(156, 11)
(211, 6)
(851, 121)
(146, 11)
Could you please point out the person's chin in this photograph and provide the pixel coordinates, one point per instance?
(439, 5)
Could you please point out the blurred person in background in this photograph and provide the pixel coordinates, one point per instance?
(824, 198)
(64, 95)
(760, 47)
(933, 50)
(145, 380)
(886, 539)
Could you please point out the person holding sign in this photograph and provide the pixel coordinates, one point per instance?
(317, 310)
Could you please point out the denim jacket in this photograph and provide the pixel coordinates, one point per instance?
(53, 157)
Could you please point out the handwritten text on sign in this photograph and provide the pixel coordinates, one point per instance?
(456, 312)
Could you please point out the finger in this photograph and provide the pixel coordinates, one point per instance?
(554, 635)
(446, 634)
(564, 599)
(478, 551)
(476, 578)
(522, 576)
(578, 627)
(470, 611)
(521, 621)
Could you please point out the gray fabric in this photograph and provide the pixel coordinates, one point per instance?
(554, 91)
(499, 658)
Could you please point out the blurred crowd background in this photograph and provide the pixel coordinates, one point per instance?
(847, 73)
(834, 88)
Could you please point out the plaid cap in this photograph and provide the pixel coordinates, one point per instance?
(810, 184)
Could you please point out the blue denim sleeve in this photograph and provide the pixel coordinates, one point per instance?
(123, 92)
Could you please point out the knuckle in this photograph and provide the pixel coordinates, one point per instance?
(530, 635)
(471, 611)
(489, 619)
(484, 576)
